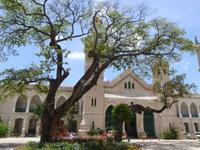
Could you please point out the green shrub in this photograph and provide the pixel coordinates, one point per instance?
(87, 145)
(122, 146)
(95, 132)
(52, 146)
(94, 145)
(3, 129)
(172, 133)
(120, 113)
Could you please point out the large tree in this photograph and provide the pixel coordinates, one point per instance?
(113, 36)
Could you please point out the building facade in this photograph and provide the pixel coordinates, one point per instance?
(94, 109)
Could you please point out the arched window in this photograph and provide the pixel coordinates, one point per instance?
(34, 102)
(21, 104)
(184, 110)
(133, 85)
(177, 111)
(93, 126)
(125, 85)
(129, 85)
(193, 110)
(60, 101)
(94, 102)
(108, 118)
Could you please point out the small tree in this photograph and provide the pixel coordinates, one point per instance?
(120, 113)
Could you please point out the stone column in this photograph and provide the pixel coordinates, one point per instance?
(24, 127)
(192, 128)
(179, 109)
(28, 105)
(10, 125)
(140, 125)
(27, 118)
(38, 127)
(123, 128)
(189, 111)
(198, 109)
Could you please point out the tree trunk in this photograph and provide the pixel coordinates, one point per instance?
(50, 125)
(48, 116)
(119, 132)
(46, 125)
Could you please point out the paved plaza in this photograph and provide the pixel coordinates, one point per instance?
(11, 142)
(168, 144)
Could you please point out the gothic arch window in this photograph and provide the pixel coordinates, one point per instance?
(133, 85)
(193, 110)
(21, 104)
(94, 102)
(93, 125)
(34, 102)
(184, 110)
(129, 85)
(125, 85)
(177, 111)
(108, 117)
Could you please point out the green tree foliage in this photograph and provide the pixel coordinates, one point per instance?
(3, 129)
(120, 114)
(112, 37)
(171, 133)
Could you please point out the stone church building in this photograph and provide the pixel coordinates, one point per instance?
(94, 108)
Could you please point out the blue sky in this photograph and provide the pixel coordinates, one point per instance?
(184, 13)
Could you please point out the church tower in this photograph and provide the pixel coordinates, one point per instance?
(160, 71)
(92, 104)
(88, 62)
(197, 43)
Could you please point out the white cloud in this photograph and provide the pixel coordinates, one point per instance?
(186, 66)
(76, 56)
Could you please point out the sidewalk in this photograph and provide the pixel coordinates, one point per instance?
(11, 142)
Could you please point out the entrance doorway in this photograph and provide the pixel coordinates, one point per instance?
(187, 130)
(73, 126)
(149, 124)
(32, 127)
(108, 118)
(131, 127)
(18, 126)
